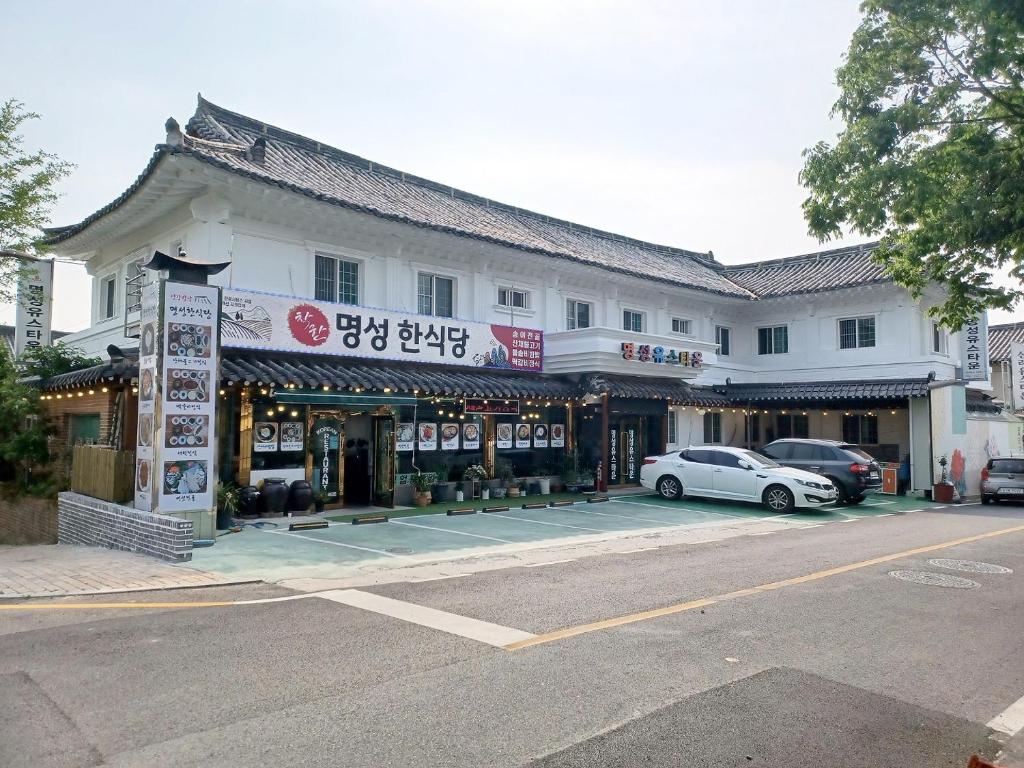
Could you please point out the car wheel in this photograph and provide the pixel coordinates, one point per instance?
(778, 498)
(986, 499)
(669, 487)
(841, 495)
(854, 500)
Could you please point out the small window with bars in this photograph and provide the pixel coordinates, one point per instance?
(435, 295)
(336, 280)
(681, 326)
(513, 298)
(633, 321)
(857, 332)
(773, 340)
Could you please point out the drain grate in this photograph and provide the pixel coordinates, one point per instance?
(970, 566)
(934, 579)
(399, 550)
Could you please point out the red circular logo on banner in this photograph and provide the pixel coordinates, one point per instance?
(308, 325)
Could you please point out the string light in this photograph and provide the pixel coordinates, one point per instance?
(270, 412)
(294, 414)
(104, 390)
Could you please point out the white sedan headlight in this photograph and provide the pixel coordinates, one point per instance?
(810, 484)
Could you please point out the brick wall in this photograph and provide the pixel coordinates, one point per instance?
(96, 523)
(59, 412)
(28, 520)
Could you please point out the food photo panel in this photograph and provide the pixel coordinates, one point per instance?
(184, 385)
(187, 431)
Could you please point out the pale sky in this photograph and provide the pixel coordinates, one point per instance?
(680, 122)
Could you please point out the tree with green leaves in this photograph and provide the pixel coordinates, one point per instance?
(931, 156)
(23, 430)
(27, 181)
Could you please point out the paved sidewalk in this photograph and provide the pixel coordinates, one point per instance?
(53, 570)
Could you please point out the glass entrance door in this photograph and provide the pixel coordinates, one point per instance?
(384, 461)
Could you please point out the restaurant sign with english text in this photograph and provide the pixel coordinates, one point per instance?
(266, 321)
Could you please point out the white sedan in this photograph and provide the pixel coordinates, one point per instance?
(719, 472)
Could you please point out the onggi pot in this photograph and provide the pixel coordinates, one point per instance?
(300, 496)
(275, 496)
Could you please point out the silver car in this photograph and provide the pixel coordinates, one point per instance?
(1002, 478)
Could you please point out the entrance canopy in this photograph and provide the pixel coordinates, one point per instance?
(861, 393)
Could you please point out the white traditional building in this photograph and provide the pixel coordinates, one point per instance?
(820, 345)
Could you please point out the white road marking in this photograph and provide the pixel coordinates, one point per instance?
(449, 530)
(762, 533)
(550, 562)
(338, 544)
(678, 509)
(463, 626)
(440, 578)
(887, 514)
(852, 520)
(1010, 720)
(626, 517)
(544, 522)
(812, 525)
(632, 551)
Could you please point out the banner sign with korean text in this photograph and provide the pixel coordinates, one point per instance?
(1017, 374)
(498, 407)
(974, 349)
(646, 353)
(266, 321)
(178, 357)
(34, 305)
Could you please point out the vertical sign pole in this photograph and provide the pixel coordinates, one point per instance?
(178, 380)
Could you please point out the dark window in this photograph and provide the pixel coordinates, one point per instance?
(577, 314)
(860, 429)
(803, 452)
(84, 428)
(712, 427)
(1007, 466)
(773, 341)
(778, 451)
(699, 457)
(325, 283)
(632, 321)
(792, 425)
(108, 297)
(722, 340)
(724, 459)
(435, 295)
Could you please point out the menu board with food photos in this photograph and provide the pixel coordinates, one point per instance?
(191, 314)
(291, 436)
(405, 436)
(503, 434)
(264, 437)
(523, 433)
(450, 437)
(470, 436)
(427, 436)
(558, 435)
(540, 435)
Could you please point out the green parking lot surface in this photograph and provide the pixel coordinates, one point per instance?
(269, 551)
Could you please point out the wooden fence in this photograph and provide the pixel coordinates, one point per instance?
(103, 473)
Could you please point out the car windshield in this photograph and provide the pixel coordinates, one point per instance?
(760, 458)
(1009, 466)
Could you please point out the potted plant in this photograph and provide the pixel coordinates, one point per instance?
(943, 491)
(570, 480)
(503, 470)
(442, 489)
(421, 481)
(227, 504)
(320, 498)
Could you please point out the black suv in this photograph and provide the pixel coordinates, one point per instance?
(852, 471)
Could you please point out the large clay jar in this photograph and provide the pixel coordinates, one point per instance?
(275, 496)
(248, 502)
(300, 496)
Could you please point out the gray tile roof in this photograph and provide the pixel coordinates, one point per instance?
(823, 391)
(810, 273)
(225, 139)
(999, 339)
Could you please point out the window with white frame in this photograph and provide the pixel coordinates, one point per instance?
(723, 338)
(712, 427)
(939, 341)
(336, 279)
(857, 332)
(435, 295)
(514, 298)
(108, 297)
(673, 427)
(577, 314)
(773, 340)
(634, 321)
(682, 326)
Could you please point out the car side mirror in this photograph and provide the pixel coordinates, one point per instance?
(745, 465)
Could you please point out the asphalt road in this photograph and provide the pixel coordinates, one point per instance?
(840, 664)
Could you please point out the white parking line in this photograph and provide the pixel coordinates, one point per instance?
(1010, 720)
(887, 514)
(463, 626)
(678, 509)
(337, 544)
(440, 578)
(544, 522)
(623, 517)
(449, 530)
(550, 562)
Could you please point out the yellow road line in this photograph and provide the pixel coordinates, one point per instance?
(655, 613)
(62, 606)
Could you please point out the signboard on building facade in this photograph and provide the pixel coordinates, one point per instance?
(646, 353)
(265, 321)
(498, 407)
(35, 302)
(325, 437)
(1017, 374)
(974, 349)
